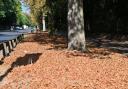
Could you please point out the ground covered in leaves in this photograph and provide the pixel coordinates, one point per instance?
(42, 62)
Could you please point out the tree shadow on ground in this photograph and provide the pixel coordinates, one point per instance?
(99, 53)
(102, 46)
(116, 43)
(22, 61)
(27, 59)
(57, 41)
(1, 62)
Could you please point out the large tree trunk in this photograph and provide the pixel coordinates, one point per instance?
(76, 34)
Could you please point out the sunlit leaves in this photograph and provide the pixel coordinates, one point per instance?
(36, 7)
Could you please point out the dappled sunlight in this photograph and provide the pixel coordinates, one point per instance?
(117, 43)
(76, 35)
(53, 50)
(35, 63)
(57, 42)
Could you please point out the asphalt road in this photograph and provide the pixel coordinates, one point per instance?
(10, 35)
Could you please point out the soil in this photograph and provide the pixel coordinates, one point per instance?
(41, 61)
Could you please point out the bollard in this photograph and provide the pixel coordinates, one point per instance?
(1, 52)
(22, 36)
(5, 50)
(13, 43)
(10, 46)
(16, 40)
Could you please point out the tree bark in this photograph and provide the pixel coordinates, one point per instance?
(76, 34)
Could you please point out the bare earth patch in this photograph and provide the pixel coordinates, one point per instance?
(42, 62)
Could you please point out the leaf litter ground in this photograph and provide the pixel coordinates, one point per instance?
(41, 61)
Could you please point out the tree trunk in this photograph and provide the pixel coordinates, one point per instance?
(76, 34)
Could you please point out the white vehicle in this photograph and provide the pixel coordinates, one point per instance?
(25, 27)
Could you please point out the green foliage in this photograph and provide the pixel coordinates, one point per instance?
(2, 12)
(26, 20)
(11, 13)
(7, 14)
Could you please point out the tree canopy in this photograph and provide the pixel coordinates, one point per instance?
(36, 7)
(100, 16)
(11, 13)
(56, 11)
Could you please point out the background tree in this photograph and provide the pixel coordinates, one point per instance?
(11, 13)
(36, 7)
(56, 11)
